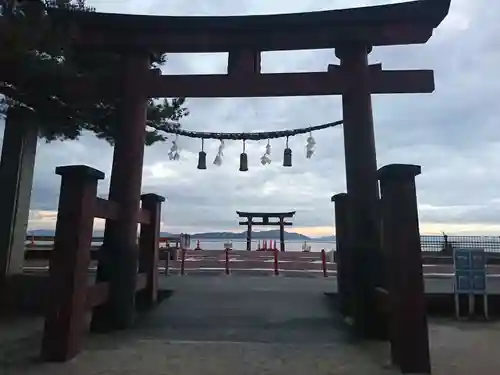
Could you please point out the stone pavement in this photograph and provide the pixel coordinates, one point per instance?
(246, 326)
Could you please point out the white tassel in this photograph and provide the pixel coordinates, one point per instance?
(310, 143)
(265, 159)
(174, 154)
(218, 160)
(268, 148)
(220, 154)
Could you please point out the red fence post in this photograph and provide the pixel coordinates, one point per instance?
(276, 262)
(68, 271)
(227, 261)
(183, 260)
(149, 244)
(323, 262)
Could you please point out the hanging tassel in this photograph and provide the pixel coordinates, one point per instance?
(243, 160)
(310, 143)
(173, 154)
(202, 157)
(220, 154)
(265, 159)
(287, 156)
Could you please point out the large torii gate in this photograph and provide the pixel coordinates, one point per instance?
(351, 32)
(265, 221)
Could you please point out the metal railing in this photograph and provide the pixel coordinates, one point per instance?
(445, 244)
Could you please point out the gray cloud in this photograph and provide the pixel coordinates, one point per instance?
(452, 133)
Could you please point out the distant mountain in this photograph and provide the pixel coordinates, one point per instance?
(263, 235)
(325, 239)
(41, 232)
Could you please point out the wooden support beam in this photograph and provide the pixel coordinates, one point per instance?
(264, 223)
(288, 84)
(333, 82)
(243, 62)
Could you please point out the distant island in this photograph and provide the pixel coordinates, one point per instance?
(324, 239)
(261, 235)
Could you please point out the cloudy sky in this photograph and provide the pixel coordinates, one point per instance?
(452, 133)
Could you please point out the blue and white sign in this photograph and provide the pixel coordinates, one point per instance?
(470, 277)
(470, 271)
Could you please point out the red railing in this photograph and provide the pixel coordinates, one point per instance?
(226, 261)
(70, 295)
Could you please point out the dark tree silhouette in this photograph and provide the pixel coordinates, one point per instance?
(37, 61)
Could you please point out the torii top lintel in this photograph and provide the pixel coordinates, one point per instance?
(393, 24)
(266, 214)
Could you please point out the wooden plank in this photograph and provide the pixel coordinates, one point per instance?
(106, 209)
(288, 84)
(97, 294)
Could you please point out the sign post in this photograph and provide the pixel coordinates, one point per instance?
(470, 278)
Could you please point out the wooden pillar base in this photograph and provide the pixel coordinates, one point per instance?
(343, 254)
(409, 331)
(369, 321)
(120, 266)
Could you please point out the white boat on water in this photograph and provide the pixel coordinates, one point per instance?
(306, 248)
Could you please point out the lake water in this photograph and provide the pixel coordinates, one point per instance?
(428, 243)
(242, 245)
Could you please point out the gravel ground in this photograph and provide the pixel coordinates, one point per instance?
(264, 326)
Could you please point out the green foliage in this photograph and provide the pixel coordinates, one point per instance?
(38, 61)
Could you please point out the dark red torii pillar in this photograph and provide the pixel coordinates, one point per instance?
(119, 253)
(362, 187)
